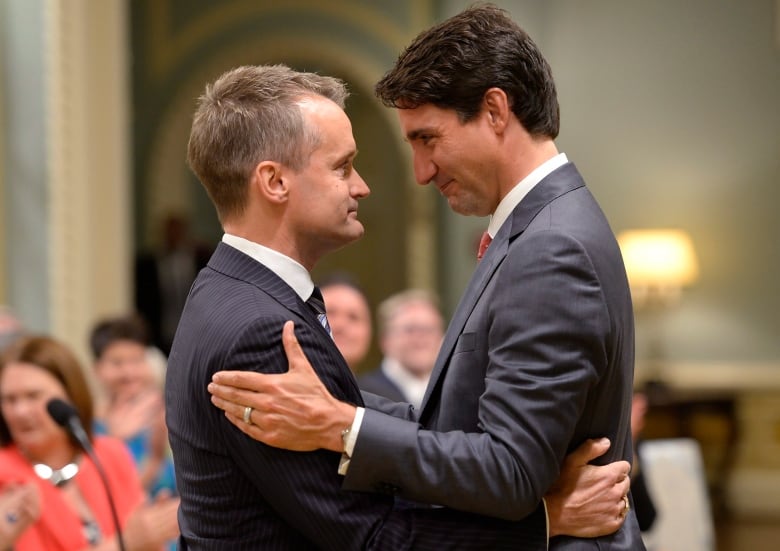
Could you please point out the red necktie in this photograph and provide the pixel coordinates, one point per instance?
(484, 243)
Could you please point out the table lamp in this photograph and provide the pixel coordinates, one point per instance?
(659, 263)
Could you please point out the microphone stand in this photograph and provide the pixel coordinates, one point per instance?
(104, 479)
(66, 416)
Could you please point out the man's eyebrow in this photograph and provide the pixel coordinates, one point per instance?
(349, 156)
(416, 133)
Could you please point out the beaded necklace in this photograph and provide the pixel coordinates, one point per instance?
(58, 477)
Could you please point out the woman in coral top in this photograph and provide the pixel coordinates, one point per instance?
(75, 513)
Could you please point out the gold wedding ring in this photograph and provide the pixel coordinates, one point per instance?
(626, 508)
(248, 421)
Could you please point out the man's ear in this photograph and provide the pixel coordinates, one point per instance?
(497, 108)
(269, 179)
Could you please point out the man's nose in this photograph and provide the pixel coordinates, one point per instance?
(359, 187)
(424, 169)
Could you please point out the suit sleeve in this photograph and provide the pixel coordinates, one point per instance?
(402, 410)
(543, 329)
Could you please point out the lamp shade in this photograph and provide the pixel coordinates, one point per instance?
(658, 258)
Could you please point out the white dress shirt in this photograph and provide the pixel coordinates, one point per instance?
(291, 272)
(517, 193)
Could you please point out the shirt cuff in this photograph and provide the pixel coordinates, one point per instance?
(351, 439)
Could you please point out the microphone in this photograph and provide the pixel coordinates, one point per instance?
(66, 416)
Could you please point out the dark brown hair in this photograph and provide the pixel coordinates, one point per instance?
(454, 63)
(108, 331)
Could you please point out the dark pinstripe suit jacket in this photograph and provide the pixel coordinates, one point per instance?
(240, 494)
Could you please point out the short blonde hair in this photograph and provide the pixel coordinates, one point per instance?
(389, 307)
(248, 115)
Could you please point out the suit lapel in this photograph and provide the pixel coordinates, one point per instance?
(494, 255)
(233, 263)
(557, 183)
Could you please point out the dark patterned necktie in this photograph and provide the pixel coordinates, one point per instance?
(484, 243)
(317, 303)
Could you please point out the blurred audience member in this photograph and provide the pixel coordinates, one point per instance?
(133, 409)
(163, 279)
(10, 329)
(349, 317)
(20, 506)
(74, 512)
(643, 501)
(410, 333)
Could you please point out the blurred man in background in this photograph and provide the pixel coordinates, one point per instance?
(410, 332)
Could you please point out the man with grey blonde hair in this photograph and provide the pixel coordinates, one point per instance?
(410, 333)
(250, 115)
(388, 308)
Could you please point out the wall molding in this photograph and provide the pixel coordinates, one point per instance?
(88, 161)
(733, 376)
(753, 493)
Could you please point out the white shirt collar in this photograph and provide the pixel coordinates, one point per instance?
(291, 272)
(513, 198)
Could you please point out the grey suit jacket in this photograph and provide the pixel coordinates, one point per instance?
(538, 357)
(237, 493)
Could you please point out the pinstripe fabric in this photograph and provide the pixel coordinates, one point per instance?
(239, 494)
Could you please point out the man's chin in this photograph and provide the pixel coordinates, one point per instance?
(357, 230)
(464, 208)
(357, 236)
(457, 207)
(350, 237)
